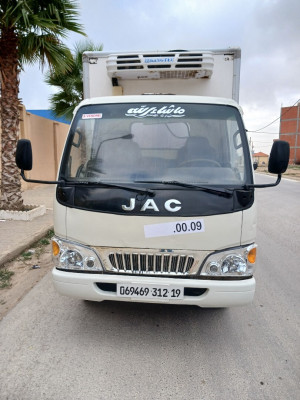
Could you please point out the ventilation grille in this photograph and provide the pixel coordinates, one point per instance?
(182, 65)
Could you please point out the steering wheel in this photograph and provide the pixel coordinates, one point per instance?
(80, 171)
(200, 160)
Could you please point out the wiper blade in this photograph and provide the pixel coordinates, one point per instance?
(113, 185)
(208, 189)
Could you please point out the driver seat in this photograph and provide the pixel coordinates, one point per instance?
(196, 147)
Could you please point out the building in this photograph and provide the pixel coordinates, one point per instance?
(49, 114)
(262, 159)
(47, 136)
(290, 131)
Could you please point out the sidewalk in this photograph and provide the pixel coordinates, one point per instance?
(17, 236)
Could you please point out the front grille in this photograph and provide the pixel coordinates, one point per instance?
(150, 263)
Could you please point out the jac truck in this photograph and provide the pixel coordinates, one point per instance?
(155, 198)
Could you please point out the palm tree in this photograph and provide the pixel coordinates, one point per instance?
(30, 31)
(70, 83)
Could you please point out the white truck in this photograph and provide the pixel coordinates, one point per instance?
(155, 195)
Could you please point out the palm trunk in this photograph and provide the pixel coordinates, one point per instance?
(11, 198)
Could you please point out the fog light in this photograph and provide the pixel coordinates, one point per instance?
(90, 262)
(233, 264)
(214, 267)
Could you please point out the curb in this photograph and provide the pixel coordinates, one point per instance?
(11, 254)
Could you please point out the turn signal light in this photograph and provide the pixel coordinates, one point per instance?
(252, 256)
(55, 248)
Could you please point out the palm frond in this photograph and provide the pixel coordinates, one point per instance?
(44, 48)
(69, 84)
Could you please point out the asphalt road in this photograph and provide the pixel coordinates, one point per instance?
(53, 347)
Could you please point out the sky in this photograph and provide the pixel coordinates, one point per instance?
(267, 31)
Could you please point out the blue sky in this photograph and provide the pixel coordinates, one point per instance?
(267, 31)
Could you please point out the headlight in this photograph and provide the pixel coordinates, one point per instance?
(72, 256)
(234, 262)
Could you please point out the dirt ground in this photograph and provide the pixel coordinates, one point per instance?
(28, 269)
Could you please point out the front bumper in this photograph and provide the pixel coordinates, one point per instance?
(218, 293)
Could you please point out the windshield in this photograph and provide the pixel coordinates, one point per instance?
(159, 142)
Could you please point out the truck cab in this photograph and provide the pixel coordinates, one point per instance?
(155, 205)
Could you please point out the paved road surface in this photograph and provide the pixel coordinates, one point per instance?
(54, 347)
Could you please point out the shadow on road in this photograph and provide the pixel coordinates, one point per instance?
(139, 322)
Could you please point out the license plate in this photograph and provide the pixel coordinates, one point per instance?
(150, 291)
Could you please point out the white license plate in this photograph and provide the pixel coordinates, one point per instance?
(150, 291)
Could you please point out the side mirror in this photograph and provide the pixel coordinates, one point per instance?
(24, 155)
(77, 139)
(278, 162)
(24, 161)
(279, 157)
(255, 165)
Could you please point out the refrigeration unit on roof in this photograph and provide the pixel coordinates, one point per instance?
(177, 64)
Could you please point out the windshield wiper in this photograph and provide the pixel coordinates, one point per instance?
(208, 189)
(113, 185)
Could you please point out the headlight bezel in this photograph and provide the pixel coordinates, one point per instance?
(237, 257)
(71, 256)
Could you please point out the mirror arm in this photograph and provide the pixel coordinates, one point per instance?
(38, 181)
(265, 185)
